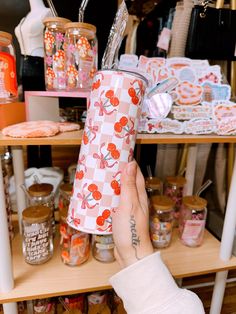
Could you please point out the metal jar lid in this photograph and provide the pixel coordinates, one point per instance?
(194, 202)
(36, 214)
(40, 189)
(177, 180)
(162, 203)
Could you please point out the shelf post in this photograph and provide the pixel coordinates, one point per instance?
(18, 167)
(6, 268)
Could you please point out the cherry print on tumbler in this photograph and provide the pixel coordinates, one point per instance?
(107, 145)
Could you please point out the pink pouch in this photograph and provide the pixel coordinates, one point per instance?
(107, 145)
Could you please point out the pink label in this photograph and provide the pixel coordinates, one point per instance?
(192, 229)
(164, 39)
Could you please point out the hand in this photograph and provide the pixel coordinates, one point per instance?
(130, 223)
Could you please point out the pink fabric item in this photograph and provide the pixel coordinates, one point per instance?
(42, 128)
(68, 126)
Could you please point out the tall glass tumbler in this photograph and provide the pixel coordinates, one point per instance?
(107, 145)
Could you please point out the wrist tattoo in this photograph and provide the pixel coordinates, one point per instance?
(134, 236)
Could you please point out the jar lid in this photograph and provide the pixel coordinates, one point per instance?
(177, 180)
(55, 19)
(162, 202)
(88, 26)
(36, 214)
(153, 183)
(40, 189)
(66, 188)
(194, 202)
(5, 39)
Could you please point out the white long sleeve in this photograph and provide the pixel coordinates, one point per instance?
(147, 287)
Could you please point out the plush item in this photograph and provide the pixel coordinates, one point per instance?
(68, 126)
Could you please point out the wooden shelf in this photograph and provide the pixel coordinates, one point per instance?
(74, 138)
(54, 278)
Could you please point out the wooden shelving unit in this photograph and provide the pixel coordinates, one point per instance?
(54, 278)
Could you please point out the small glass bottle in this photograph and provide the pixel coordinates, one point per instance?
(153, 186)
(65, 191)
(103, 248)
(54, 54)
(81, 55)
(42, 194)
(173, 188)
(37, 234)
(74, 244)
(8, 77)
(192, 220)
(161, 221)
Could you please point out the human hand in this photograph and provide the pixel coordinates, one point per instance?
(130, 223)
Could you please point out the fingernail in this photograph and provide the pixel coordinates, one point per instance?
(131, 168)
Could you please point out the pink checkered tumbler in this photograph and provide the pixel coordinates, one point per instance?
(107, 145)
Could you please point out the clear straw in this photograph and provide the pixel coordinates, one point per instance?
(203, 187)
(52, 8)
(81, 11)
(149, 171)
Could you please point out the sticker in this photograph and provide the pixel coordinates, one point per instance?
(178, 62)
(222, 112)
(128, 61)
(164, 86)
(213, 91)
(159, 105)
(226, 126)
(164, 39)
(164, 126)
(200, 126)
(192, 112)
(192, 229)
(189, 94)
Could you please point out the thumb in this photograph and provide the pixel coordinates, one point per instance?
(129, 193)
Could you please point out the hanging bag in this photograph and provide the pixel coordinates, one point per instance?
(212, 32)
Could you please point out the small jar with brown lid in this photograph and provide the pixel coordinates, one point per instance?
(81, 55)
(153, 186)
(74, 244)
(161, 220)
(54, 53)
(42, 194)
(192, 220)
(37, 234)
(173, 188)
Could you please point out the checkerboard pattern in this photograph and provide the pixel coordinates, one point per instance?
(107, 145)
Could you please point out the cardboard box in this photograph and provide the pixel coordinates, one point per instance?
(12, 113)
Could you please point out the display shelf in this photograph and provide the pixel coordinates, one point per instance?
(74, 138)
(54, 278)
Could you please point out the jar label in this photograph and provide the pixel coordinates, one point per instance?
(8, 83)
(192, 229)
(105, 246)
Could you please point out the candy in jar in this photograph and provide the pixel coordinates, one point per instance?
(173, 188)
(74, 244)
(65, 191)
(153, 186)
(192, 220)
(103, 248)
(37, 234)
(54, 54)
(81, 55)
(161, 220)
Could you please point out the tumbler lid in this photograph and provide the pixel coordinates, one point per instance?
(162, 203)
(194, 202)
(177, 180)
(40, 189)
(36, 214)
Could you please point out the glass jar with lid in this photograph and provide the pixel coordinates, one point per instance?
(81, 55)
(103, 248)
(173, 188)
(8, 77)
(161, 220)
(65, 191)
(37, 234)
(192, 220)
(42, 194)
(54, 54)
(153, 186)
(74, 244)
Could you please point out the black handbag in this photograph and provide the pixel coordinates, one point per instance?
(211, 34)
